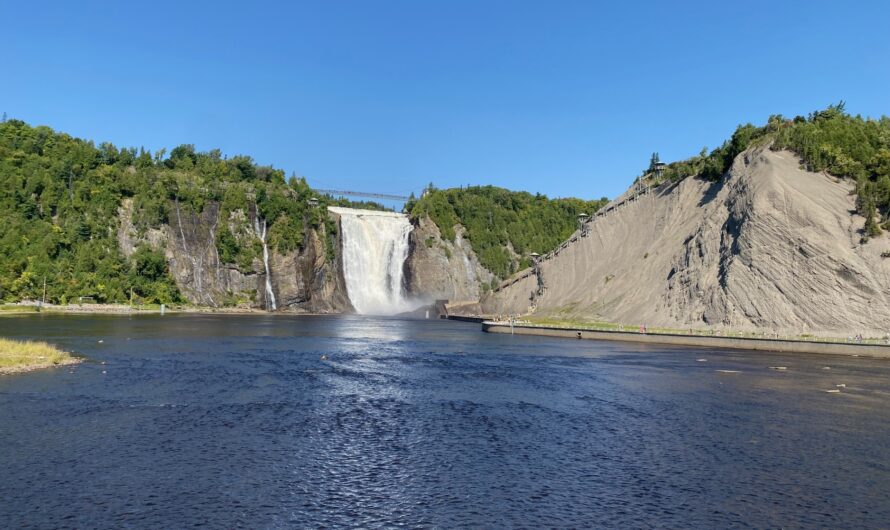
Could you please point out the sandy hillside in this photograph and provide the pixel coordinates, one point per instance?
(769, 247)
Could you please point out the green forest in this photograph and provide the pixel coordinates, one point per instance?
(497, 219)
(829, 140)
(59, 200)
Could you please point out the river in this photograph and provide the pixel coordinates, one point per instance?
(229, 421)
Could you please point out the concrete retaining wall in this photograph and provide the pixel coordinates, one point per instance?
(461, 318)
(781, 346)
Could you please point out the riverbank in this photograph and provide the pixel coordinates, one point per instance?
(121, 309)
(784, 345)
(25, 356)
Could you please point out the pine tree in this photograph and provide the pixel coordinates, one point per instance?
(653, 161)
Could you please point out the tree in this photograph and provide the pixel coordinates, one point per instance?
(182, 156)
(149, 263)
(871, 226)
(496, 219)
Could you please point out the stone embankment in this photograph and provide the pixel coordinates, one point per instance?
(730, 342)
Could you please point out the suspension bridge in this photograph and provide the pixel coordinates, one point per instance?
(366, 194)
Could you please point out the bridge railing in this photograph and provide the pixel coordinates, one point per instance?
(364, 194)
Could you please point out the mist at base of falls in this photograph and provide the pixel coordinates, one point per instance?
(375, 246)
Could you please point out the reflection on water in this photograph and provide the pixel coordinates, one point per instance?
(231, 420)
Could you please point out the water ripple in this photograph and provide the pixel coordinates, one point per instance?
(234, 422)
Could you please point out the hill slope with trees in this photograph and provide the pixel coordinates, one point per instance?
(59, 205)
(829, 140)
(502, 226)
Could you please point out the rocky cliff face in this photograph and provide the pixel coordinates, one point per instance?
(440, 269)
(306, 281)
(769, 247)
(302, 281)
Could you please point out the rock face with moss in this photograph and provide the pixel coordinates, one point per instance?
(438, 268)
(303, 280)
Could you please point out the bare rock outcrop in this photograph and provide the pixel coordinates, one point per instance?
(439, 269)
(302, 281)
(769, 247)
(305, 281)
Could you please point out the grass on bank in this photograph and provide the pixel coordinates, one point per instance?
(23, 356)
(9, 308)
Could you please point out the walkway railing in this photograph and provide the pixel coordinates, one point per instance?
(578, 234)
(800, 337)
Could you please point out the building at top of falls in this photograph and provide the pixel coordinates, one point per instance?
(375, 246)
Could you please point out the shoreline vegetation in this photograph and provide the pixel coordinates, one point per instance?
(122, 309)
(24, 356)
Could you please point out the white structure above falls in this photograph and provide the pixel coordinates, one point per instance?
(375, 246)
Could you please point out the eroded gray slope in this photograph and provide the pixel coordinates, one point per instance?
(769, 247)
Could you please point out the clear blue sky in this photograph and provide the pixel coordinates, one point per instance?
(561, 97)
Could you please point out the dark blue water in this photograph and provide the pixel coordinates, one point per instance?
(229, 421)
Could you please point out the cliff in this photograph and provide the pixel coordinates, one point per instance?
(440, 269)
(306, 280)
(302, 281)
(769, 247)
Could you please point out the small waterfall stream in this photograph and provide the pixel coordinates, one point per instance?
(261, 233)
(375, 246)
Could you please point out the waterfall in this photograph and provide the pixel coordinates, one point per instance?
(375, 246)
(270, 296)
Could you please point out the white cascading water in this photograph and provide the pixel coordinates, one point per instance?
(270, 295)
(375, 246)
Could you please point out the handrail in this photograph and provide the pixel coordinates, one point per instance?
(602, 212)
